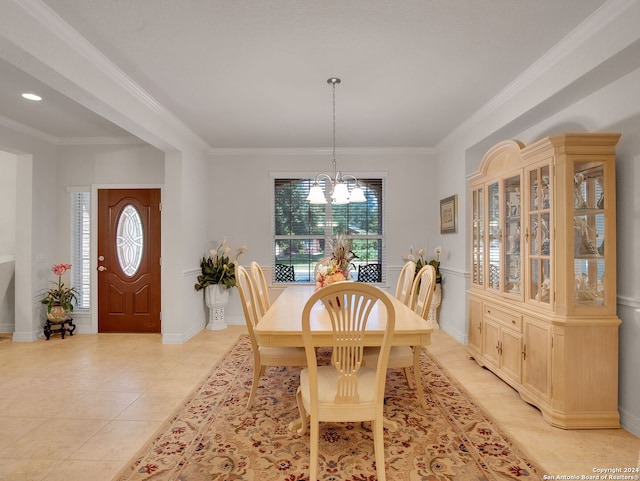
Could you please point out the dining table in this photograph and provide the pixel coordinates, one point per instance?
(281, 325)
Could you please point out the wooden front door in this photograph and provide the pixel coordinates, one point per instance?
(128, 260)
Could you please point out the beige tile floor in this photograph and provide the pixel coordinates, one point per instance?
(80, 408)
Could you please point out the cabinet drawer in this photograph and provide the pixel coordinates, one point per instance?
(507, 318)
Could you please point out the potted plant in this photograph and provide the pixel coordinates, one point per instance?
(59, 299)
(420, 261)
(218, 275)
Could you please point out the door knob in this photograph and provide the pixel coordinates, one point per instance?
(102, 268)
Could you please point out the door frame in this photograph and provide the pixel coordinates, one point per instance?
(93, 248)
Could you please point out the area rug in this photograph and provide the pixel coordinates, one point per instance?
(213, 437)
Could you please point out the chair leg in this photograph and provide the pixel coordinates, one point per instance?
(304, 416)
(258, 371)
(408, 377)
(313, 451)
(378, 445)
(417, 377)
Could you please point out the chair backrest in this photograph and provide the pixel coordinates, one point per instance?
(261, 289)
(285, 273)
(422, 290)
(370, 273)
(248, 301)
(405, 281)
(348, 305)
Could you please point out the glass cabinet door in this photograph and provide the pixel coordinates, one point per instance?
(495, 236)
(477, 237)
(588, 233)
(512, 236)
(538, 235)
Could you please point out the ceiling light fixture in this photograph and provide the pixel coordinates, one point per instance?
(31, 96)
(339, 190)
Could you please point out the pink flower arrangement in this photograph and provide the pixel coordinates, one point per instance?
(60, 269)
(60, 295)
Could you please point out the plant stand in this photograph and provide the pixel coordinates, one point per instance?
(59, 327)
(216, 297)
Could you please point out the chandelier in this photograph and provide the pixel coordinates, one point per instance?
(339, 190)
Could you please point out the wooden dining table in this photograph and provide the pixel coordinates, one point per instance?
(281, 325)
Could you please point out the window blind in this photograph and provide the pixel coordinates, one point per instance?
(303, 231)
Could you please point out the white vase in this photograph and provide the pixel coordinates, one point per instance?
(216, 297)
(433, 309)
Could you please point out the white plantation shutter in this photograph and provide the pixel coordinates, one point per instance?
(80, 245)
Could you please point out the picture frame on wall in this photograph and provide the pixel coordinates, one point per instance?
(449, 215)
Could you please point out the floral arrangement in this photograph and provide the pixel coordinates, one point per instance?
(420, 261)
(328, 274)
(60, 295)
(342, 254)
(219, 267)
(339, 265)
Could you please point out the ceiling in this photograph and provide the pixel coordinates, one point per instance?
(252, 74)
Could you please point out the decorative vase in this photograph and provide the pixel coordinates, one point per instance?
(216, 296)
(58, 314)
(433, 309)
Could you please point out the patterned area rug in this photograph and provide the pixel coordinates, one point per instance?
(212, 437)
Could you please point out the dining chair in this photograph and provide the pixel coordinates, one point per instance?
(370, 273)
(345, 391)
(263, 356)
(285, 273)
(261, 289)
(405, 281)
(406, 357)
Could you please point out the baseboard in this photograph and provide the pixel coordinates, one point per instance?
(7, 327)
(28, 336)
(630, 422)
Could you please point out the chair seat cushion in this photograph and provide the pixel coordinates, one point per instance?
(399, 356)
(327, 380)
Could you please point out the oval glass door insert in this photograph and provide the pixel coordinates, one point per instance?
(129, 240)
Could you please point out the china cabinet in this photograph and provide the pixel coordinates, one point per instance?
(542, 297)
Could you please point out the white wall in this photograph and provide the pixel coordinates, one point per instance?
(8, 178)
(104, 166)
(8, 167)
(241, 192)
(607, 109)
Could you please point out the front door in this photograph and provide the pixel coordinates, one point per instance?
(128, 260)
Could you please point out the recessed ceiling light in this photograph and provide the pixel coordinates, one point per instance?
(30, 96)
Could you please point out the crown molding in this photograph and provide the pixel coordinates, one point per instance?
(51, 21)
(25, 129)
(51, 139)
(124, 140)
(580, 35)
(289, 151)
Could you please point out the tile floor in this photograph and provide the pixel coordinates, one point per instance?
(80, 408)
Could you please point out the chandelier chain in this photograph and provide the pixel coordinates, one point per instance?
(334, 128)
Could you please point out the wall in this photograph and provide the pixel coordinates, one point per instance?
(8, 167)
(241, 189)
(606, 109)
(609, 110)
(134, 165)
(36, 217)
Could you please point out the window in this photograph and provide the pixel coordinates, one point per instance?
(302, 231)
(80, 244)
